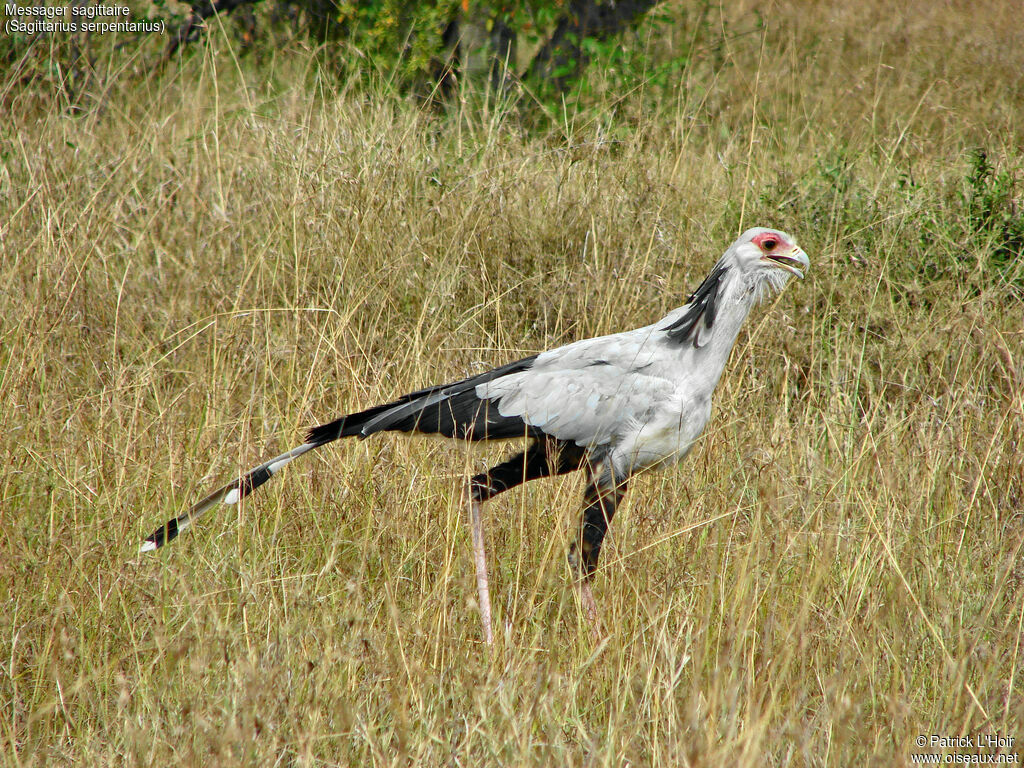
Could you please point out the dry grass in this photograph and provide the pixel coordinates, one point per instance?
(192, 275)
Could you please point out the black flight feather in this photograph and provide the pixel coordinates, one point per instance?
(452, 410)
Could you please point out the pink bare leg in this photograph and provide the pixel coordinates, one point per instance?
(480, 558)
(590, 608)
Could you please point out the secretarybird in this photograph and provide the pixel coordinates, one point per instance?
(614, 404)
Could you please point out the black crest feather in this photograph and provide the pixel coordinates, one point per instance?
(702, 304)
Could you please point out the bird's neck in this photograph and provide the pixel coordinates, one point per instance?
(734, 302)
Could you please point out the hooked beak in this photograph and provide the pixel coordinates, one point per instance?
(793, 260)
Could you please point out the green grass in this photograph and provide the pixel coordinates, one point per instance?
(193, 272)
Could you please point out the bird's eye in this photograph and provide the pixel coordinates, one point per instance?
(769, 244)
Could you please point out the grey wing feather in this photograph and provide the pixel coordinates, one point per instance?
(589, 392)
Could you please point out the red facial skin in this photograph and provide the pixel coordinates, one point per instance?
(765, 237)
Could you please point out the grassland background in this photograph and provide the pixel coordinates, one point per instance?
(200, 267)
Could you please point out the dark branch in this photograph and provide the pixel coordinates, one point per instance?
(190, 30)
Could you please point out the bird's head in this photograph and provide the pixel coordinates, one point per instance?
(766, 258)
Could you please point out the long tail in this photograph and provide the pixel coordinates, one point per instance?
(452, 410)
(228, 494)
(231, 493)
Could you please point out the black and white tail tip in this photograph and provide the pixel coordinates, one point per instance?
(228, 494)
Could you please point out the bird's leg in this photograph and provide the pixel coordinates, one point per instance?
(589, 605)
(476, 526)
(602, 497)
(539, 460)
(543, 458)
